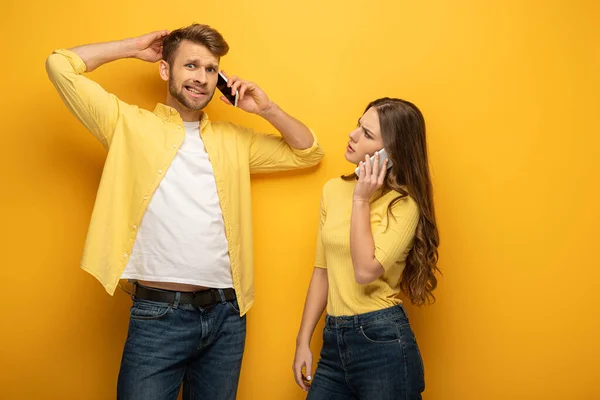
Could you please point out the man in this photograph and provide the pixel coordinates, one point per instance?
(172, 212)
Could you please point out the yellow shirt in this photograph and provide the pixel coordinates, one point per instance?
(141, 146)
(392, 245)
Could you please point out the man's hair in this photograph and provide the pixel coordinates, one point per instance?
(195, 33)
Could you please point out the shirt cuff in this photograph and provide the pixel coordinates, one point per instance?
(311, 149)
(76, 62)
(383, 259)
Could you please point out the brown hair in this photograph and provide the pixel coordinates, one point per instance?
(196, 33)
(403, 132)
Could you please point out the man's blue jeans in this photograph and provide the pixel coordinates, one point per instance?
(171, 344)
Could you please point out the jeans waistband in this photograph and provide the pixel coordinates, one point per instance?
(355, 321)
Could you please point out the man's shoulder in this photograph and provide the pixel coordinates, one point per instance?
(228, 126)
(231, 131)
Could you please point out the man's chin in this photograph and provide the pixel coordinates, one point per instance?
(196, 105)
(191, 104)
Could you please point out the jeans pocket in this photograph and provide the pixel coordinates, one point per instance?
(384, 332)
(234, 306)
(148, 311)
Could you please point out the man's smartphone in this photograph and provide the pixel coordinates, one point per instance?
(222, 86)
(382, 157)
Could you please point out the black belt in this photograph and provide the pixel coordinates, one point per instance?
(204, 298)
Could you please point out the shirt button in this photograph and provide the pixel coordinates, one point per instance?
(174, 146)
(145, 197)
(134, 227)
(178, 127)
(160, 171)
(125, 255)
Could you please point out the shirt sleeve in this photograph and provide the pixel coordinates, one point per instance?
(95, 108)
(320, 260)
(394, 237)
(270, 153)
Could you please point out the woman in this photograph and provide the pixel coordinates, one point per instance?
(377, 237)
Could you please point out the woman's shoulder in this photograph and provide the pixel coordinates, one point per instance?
(406, 203)
(338, 186)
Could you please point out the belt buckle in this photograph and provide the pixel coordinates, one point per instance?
(197, 299)
(193, 299)
(212, 296)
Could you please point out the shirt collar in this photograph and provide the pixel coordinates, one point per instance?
(169, 114)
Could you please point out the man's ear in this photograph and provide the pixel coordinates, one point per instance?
(163, 69)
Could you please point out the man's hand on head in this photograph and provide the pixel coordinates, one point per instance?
(148, 47)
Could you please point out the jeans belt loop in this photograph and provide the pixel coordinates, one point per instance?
(177, 298)
(134, 288)
(222, 295)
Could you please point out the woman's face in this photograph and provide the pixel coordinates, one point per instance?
(365, 139)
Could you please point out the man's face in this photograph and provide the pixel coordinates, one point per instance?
(193, 75)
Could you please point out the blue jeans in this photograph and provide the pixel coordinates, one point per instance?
(168, 344)
(369, 356)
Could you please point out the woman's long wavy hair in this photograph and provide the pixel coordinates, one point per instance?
(403, 132)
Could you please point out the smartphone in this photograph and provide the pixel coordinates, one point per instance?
(382, 157)
(222, 86)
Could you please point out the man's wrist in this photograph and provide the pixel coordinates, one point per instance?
(128, 48)
(270, 111)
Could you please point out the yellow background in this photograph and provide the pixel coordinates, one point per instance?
(510, 91)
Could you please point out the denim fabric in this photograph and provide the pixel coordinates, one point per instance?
(372, 356)
(171, 344)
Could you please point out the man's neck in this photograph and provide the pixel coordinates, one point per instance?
(186, 114)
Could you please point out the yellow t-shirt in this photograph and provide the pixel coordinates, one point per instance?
(392, 245)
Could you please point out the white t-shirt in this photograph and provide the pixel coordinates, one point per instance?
(181, 238)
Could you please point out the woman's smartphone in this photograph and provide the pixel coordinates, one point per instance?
(222, 86)
(382, 157)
